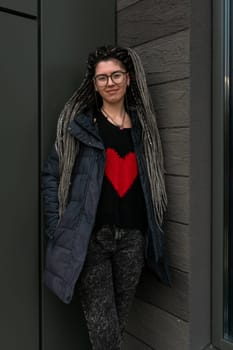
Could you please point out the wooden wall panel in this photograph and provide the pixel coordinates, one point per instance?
(28, 7)
(157, 328)
(177, 241)
(167, 58)
(171, 103)
(121, 4)
(172, 299)
(157, 18)
(160, 33)
(178, 198)
(175, 142)
(132, 343)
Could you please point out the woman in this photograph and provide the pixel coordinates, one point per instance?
(104, 194)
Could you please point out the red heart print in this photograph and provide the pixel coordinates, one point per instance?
(121, 172)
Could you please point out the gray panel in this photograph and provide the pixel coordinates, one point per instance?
(19, 184)
(26, 6)
(70, 30)
(64, 325)
(200, 181)
(218, 186)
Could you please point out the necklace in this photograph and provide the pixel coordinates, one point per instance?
(107, 116)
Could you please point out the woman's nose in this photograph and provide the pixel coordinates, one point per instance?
(110, 81)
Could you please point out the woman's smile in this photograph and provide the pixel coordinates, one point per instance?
(112, 91)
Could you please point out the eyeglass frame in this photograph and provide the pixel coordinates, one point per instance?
(109, 76)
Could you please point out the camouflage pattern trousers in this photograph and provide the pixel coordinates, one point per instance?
(108, 283)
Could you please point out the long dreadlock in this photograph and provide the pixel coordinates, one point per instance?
(137, 97)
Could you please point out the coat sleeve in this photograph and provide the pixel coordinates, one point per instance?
(50, 182)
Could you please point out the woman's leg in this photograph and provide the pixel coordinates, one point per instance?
(97, 293)
(128, 261)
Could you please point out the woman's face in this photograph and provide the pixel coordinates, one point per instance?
(111, 80)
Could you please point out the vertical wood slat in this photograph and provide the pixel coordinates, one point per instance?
(149, 19)
(201, 171)
(167, 58)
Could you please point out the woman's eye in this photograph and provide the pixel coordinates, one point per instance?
(116, 75)
(101, 78)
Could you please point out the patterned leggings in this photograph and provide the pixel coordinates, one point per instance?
(108, 282)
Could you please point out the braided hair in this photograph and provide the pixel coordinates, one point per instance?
(137, 97)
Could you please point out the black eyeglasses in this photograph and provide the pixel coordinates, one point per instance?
(117, 77)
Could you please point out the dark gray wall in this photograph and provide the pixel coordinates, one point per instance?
(44, 45)
(173, 39)
(19, 199)
(69, 31)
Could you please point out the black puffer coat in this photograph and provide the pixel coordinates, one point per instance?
(68, 238)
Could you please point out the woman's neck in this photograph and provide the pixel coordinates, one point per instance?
(116, 110)
(117, 115)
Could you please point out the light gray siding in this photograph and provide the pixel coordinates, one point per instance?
(167, 35)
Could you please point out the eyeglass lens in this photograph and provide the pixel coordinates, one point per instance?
(116, 77)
